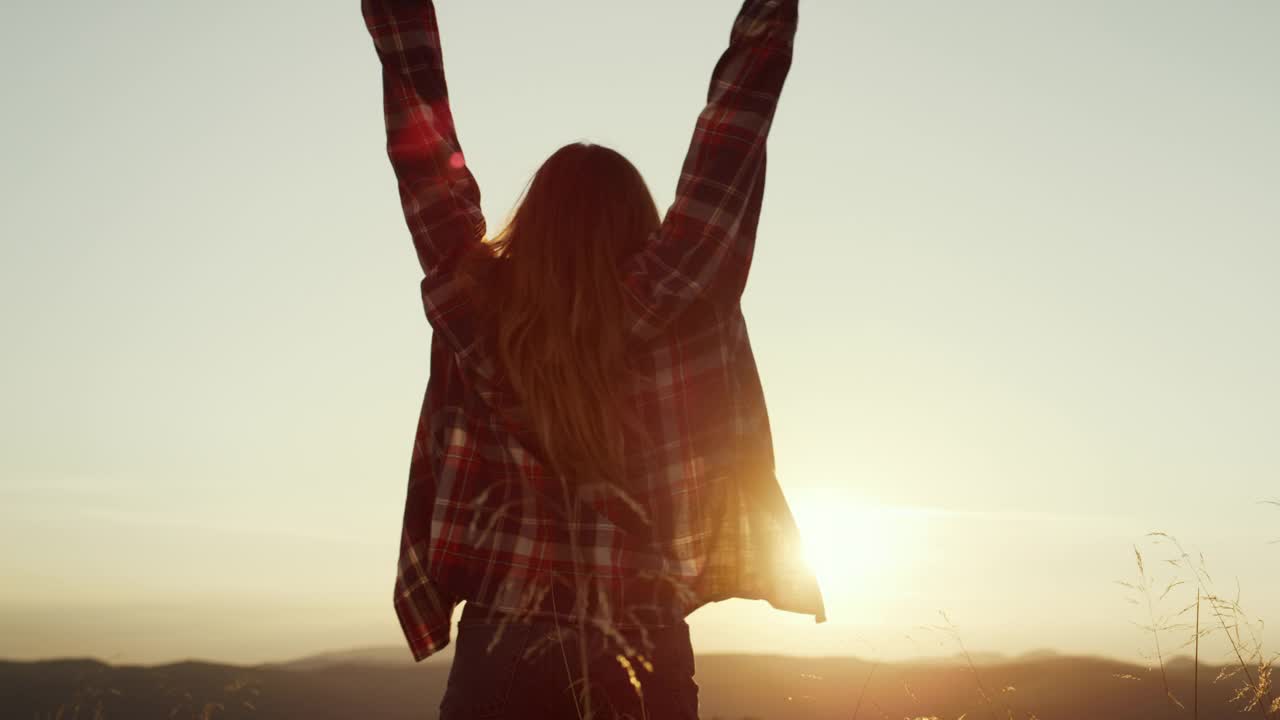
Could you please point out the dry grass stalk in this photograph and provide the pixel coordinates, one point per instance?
(1249, 658)
(949, 628)
(862, 693)
(1143, 587)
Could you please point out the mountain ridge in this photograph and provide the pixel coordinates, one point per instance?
(731, 686)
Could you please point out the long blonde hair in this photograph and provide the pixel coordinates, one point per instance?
(555, 301)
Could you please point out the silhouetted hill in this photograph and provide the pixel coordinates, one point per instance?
(393, 656)
(360, 684)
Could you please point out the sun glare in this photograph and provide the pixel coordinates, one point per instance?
(854, 547)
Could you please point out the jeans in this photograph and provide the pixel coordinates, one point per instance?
(525, 675)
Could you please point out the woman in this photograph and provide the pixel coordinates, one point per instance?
(593, 461)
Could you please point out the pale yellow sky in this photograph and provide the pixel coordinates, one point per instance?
(1012, 303)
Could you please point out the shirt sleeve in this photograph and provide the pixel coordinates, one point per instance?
(705, 243)
(425, 611)
(439, 195)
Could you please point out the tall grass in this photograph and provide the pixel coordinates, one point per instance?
(1157, 624)
(1247, 663)
(1248, 660)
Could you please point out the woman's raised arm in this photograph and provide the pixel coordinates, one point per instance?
(707, 238)
(440, 197)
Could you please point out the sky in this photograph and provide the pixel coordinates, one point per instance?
(1012, 301)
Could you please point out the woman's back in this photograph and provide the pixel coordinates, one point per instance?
(501, 511)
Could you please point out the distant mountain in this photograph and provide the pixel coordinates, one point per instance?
(397, 656)
(982, 659)
(375, 683)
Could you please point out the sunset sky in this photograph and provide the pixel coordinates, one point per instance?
(1014, 305)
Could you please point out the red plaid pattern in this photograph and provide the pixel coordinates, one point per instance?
(703, 517)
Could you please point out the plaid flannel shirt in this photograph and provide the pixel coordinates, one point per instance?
(702, 517)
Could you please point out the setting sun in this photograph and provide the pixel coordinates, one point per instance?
(851, 544)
